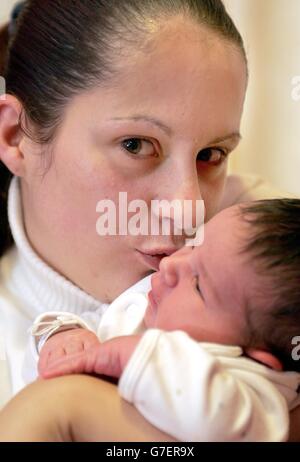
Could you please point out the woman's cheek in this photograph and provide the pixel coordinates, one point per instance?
(212, 192)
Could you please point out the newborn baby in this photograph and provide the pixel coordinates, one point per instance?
(202, 355)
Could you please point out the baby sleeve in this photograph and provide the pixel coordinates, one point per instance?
(193, 395)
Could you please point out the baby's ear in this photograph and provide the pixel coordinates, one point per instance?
(264, 357)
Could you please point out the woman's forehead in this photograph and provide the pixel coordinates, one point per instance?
(179, 89)
(183, 47)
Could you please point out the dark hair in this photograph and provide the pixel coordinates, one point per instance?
(275, 243)
(61, 48)
(5, 175)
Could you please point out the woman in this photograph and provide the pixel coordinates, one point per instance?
(105, 98)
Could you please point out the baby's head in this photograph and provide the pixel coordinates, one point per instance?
(241, 287)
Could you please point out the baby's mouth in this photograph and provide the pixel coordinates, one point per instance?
(151, 299)
(151, 311)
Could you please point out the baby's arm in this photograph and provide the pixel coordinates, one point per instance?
(195, 395)
(187, 391)
(59, 356)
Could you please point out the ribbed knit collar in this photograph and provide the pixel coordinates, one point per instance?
(40, 286)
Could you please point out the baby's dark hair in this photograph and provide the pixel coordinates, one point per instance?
(275, 245)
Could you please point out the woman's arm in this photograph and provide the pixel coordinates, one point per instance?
(74, 408)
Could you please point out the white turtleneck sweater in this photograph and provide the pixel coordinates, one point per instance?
(28, 288)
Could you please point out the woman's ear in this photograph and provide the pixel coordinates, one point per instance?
(11, 135)
(264, 357)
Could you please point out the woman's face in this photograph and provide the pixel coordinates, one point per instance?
(162, 129)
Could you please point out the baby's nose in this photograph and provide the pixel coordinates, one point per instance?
(167, 267)
(171, 266)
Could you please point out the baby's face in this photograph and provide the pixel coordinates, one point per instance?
(206, 290)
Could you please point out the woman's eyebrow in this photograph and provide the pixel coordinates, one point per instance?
(232, 136)
(158, 123)
(148, 119)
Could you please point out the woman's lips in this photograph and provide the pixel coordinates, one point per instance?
(153, 258)
(152, 261)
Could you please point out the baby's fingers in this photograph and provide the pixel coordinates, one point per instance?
(80, 363)
(50, 356)
(66, 366)
(74, 346)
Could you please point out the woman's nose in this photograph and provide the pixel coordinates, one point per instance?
(183, 205)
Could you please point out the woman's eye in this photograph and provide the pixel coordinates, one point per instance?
(139, 147)
(212, 156)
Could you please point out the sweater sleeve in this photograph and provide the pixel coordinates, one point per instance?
(191, 394)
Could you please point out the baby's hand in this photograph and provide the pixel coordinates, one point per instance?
(108, 358)
(65, 344)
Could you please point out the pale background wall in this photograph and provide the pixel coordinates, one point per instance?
(5, 8)
(271, 122)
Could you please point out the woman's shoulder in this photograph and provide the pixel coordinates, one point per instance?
(243, 188)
